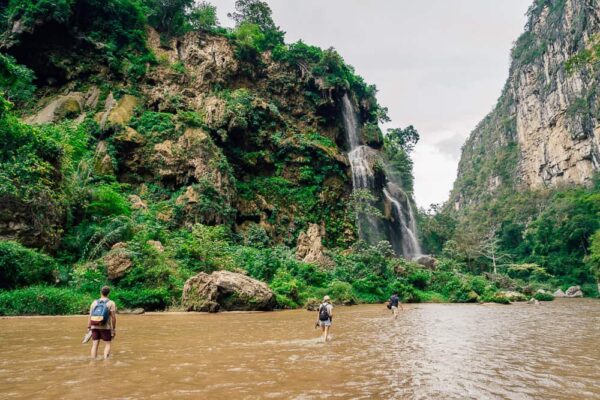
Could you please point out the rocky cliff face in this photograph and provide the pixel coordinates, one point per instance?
(545, 129)
(213, 132)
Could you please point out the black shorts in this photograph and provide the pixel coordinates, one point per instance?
(104, 334)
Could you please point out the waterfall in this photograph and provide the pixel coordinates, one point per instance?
(401, 229)
(404, 227)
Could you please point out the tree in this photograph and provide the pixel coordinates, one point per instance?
(203, 17)
(16, 81)
(169, 17)
(253, 12)
(405, 138)
(253, 17)
(593, 259)
(490, 249)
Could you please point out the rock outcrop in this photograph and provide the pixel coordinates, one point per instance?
(559, 293)
(118, 261)
(310, 246)
(545, 129)
(512, 296)
(427, 261)
(574, 291)
(224, 290)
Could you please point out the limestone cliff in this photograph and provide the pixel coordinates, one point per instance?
(545, 129)
(212, 131)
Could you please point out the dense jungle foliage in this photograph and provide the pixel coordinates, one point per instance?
(79, 191)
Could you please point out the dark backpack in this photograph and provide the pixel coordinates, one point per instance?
(100, 313)
(323, 313)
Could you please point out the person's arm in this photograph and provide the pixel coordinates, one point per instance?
(330, 309)
(90, 316)
(113, 317)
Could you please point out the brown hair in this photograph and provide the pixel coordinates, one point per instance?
(105, 290)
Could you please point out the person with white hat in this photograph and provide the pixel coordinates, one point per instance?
(325, 317)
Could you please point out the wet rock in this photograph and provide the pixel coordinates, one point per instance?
(225, 290)
(559, 293)
(310, 246)
(512, 296)
(574, 291)
(117, 113)
(122, 113)
(427, 261)
(67, 106)
(533, 302)
(118, 261)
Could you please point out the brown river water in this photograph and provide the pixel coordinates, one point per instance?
(432, 351)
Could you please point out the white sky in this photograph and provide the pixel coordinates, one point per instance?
(438, 64)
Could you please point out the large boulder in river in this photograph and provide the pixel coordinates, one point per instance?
(512, 295)
(559, 293)
(225, 290)
(574, 291)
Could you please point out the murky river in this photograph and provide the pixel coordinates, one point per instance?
(432, 351)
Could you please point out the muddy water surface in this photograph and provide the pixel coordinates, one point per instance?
(430, 352)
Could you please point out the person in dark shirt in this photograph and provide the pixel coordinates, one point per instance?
(395, 304)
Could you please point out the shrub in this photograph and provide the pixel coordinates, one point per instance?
(16, 81)
(542, 296)
(287, 288)
(148, 299)
(341, 293)
(21, 266)
(107, 201)
(419, 278)
(43, 300)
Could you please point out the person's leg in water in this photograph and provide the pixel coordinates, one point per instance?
(326, 333)
(323, 328)
(94, 353)
(107, 346)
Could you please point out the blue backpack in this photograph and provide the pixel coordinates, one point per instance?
(100, 313)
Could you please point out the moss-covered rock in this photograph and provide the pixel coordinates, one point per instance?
(224, 290)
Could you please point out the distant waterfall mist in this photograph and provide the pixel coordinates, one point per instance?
(400, 229)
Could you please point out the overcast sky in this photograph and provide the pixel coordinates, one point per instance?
(438, 64)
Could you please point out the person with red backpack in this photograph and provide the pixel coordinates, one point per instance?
(102, 322)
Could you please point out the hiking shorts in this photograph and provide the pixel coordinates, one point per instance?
(325, 323)
(103, 334)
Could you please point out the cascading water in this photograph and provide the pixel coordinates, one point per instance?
(402, 230)
(369, 227)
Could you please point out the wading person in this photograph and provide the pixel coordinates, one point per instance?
(102, 322)
(325, 317)
(394, 304)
